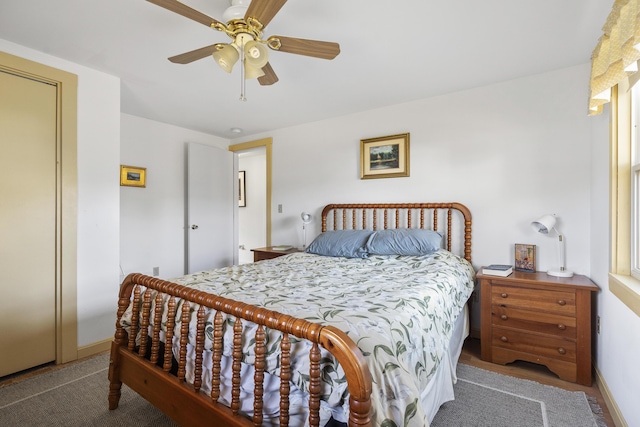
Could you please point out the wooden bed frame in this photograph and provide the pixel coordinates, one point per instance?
(149, 368)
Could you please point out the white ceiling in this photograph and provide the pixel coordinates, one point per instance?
(391, 52)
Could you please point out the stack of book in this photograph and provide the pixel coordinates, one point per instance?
(282, 247)
(497, 270)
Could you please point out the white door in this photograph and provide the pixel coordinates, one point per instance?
(28, 129)
(211, 203)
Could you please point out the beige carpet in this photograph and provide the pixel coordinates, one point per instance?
(77, 396)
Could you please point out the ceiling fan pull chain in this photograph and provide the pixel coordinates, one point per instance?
(242, 71)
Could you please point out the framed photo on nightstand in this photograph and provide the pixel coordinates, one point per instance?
(525, 258)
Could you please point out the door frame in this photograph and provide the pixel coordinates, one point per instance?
(267, 143)
(66, 196)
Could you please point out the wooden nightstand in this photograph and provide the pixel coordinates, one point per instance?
(538, 318)
(268, 253)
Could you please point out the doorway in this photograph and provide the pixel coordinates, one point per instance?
(263, 148)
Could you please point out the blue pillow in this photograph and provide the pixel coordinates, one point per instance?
(344, 243)
(404, 241)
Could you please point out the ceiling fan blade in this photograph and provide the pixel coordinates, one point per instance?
(269, 77)
(194, 55)
(315, 48)
(184, 10)
(264, 10)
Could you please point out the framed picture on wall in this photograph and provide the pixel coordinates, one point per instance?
(384, 157)
(133, 176)
(242, 193)
(525, 258)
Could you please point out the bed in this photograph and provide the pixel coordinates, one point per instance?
(358, 330)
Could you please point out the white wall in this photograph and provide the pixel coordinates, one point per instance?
(152, 219)
(511, 152)
(98, 195)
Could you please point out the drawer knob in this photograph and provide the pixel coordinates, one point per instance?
(504, 339)
(562, 350)
(504, 295)
(561, 327)
(562, 302)
(504, 317)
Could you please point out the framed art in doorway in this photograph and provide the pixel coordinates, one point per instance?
(242, 192)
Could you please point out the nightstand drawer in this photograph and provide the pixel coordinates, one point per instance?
(538, 299)
(535, 321)
(541, 345)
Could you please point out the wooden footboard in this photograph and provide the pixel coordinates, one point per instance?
(149, 368)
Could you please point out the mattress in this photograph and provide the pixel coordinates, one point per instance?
(401, 311)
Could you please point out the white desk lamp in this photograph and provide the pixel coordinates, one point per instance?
(306, 219)
(543, 225)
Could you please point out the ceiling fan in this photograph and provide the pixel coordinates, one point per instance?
(245, 21)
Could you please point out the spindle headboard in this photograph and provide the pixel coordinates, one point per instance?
(455, 226)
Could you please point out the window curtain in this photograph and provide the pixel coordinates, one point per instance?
(616, 56)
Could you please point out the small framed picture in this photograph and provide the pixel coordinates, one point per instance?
(525, 258)
(384, 157)
(133, 176)
(242, 198)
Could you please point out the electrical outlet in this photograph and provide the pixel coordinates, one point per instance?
(598, 324)
(156, 271)
(279, 208)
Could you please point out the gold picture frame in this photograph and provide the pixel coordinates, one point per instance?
(384, 157)
(133, 176)
(525, 258)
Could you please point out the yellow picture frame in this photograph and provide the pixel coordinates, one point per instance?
(133, 176)
(384, 157)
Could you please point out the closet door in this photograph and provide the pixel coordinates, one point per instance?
(27, 222)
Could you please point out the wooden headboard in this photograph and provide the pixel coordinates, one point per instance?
(455, 227)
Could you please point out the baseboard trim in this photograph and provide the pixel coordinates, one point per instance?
(614, 410)
(95, 348)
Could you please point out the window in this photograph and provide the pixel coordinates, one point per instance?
(624, 278)
(635, 183)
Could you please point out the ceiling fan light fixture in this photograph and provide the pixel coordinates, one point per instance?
(251, 72)
(256, 54)
(226, 56)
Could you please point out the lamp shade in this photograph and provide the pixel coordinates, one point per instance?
(252, 72)
(256, 54)
(306, 217)
(544, 224)
(226, 56)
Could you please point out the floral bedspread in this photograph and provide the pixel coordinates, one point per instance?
(399, 310)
